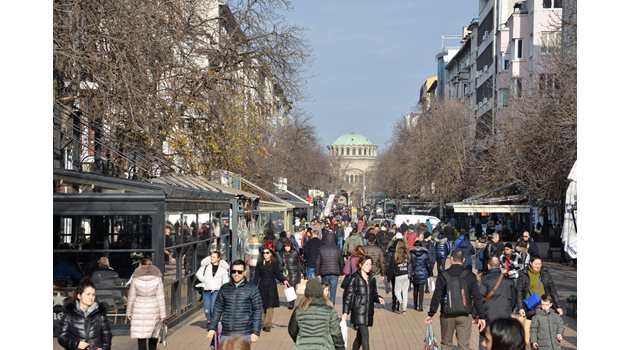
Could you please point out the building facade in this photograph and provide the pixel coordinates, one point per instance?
(355, 156)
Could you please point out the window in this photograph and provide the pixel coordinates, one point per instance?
(505, 61)
(504, 96)
(518, 87)
(552, 4)
(550, 41)
(354, 151)
(518, 49)
(548, 84)
(466, 89)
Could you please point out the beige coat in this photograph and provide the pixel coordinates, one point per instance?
(146, 301)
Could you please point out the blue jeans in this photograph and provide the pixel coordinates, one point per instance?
(208, 305)
(340, 242)
(225, 337)
(332, 280)
(310, 273)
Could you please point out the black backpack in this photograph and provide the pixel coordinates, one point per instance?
(456, 299)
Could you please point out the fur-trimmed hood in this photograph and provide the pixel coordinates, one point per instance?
(222, 263)
(419, 249)
(147, 270)
(443, 240)
(73, 306)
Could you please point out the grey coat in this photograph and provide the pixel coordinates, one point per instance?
(544, 329)
(316, 328)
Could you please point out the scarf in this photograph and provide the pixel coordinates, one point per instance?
(534, 277)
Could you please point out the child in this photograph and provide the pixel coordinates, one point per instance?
(326, 296)
(547, 326)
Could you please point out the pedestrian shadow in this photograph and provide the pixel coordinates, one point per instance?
(200, 324)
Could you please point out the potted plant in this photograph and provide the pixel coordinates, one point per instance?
(572, 304)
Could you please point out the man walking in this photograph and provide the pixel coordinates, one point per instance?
(330, 264)
(238, 306)
(532, 247)
(499, 294)
(311, 252)
(457, 293)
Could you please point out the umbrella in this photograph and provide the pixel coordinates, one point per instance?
(569, 228)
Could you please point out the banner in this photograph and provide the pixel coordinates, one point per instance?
(329, 204)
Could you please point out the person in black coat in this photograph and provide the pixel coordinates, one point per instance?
(311, 252)
(421, 269)
(502, 301)
(525, 284)
(358, 300)
(330, 264)
(267, 272)
(84, 323)
(291, 266)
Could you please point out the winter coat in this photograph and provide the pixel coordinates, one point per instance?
(532, 246)
(442, 248)
(351, 265)
(458, 241)
(378, 259)
(213, 282)
(411, 237)
(383, 238)
(473, 291)
(106, 280)
(239, 308)
(291, 266)
(389, 257)
(265, 279)
(352, 242)
(420, 264)
(525, 257)
(311, 251)
(359, 298)
(145, 303)
(503, 300)
(516, 265)
(468, 250)
(91, 326)
(316, 328)
(449, 233)
(544, 329)
(493, 249)
(430, 246)
(522, 290)
(329, 260)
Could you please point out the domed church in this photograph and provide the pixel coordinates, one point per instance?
(355, 155)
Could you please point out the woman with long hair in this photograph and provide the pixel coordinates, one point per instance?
(84, 323)
(267, 272)
(358, 300)
(291, 267)
(401, 271)
(145, 305)
(504, 334)
(314, 324)
(421, 269)
(352, 263)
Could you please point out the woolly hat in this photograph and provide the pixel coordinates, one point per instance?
(427, 235)
(313, 288)
(399, 235)
(507, 245)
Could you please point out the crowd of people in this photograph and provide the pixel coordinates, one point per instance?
(417, 257)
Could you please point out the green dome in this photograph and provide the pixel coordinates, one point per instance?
(352, 139)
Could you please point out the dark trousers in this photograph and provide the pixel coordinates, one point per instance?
(142, 344)
(441, 264)
(363, 338)
(418, 294)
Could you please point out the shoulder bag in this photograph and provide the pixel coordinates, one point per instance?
(532, 301)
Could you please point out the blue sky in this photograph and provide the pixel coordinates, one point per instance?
(370, 59)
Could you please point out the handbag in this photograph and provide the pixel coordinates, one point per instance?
(532, 301)
(160, 332)
(289, 293)
(430, 340)
(301, 287)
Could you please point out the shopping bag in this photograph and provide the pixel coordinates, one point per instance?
(301, 287)
(344, 331)
(289, 293)
(431, 283)
(430, 340)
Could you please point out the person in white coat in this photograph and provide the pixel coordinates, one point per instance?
(145, 303)
(213, 273)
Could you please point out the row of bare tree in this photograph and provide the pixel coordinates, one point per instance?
(440, 157)
(185, 85)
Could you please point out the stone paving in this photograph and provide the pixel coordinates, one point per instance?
(390, 330)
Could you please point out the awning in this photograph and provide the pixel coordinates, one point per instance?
(510, 202)
(488, 208)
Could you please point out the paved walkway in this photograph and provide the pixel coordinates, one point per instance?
(390, 330)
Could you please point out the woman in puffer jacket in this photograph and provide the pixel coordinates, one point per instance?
(290, 266)
(422, 268)
(145, 306)
(84, 324)
(442, 250)
(358, 300)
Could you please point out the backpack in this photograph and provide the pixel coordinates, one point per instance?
(457, 299)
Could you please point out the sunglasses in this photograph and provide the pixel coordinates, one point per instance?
(266, 252)
(240, 272)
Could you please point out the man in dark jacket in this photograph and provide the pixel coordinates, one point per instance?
(459, 323)
(238, 306)
(106, 281)
(493, 248)
(330, 264)
(311, 252)
(531, 245)
(502, 299)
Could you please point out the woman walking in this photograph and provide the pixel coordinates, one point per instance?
(84, 323)
(421, 269)
(291, 267)
(401, 270)
(358, 299)
(146, 303)
(314, 323)
(267, 272)
(213, 273)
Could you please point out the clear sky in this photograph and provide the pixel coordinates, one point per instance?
(370, 59)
